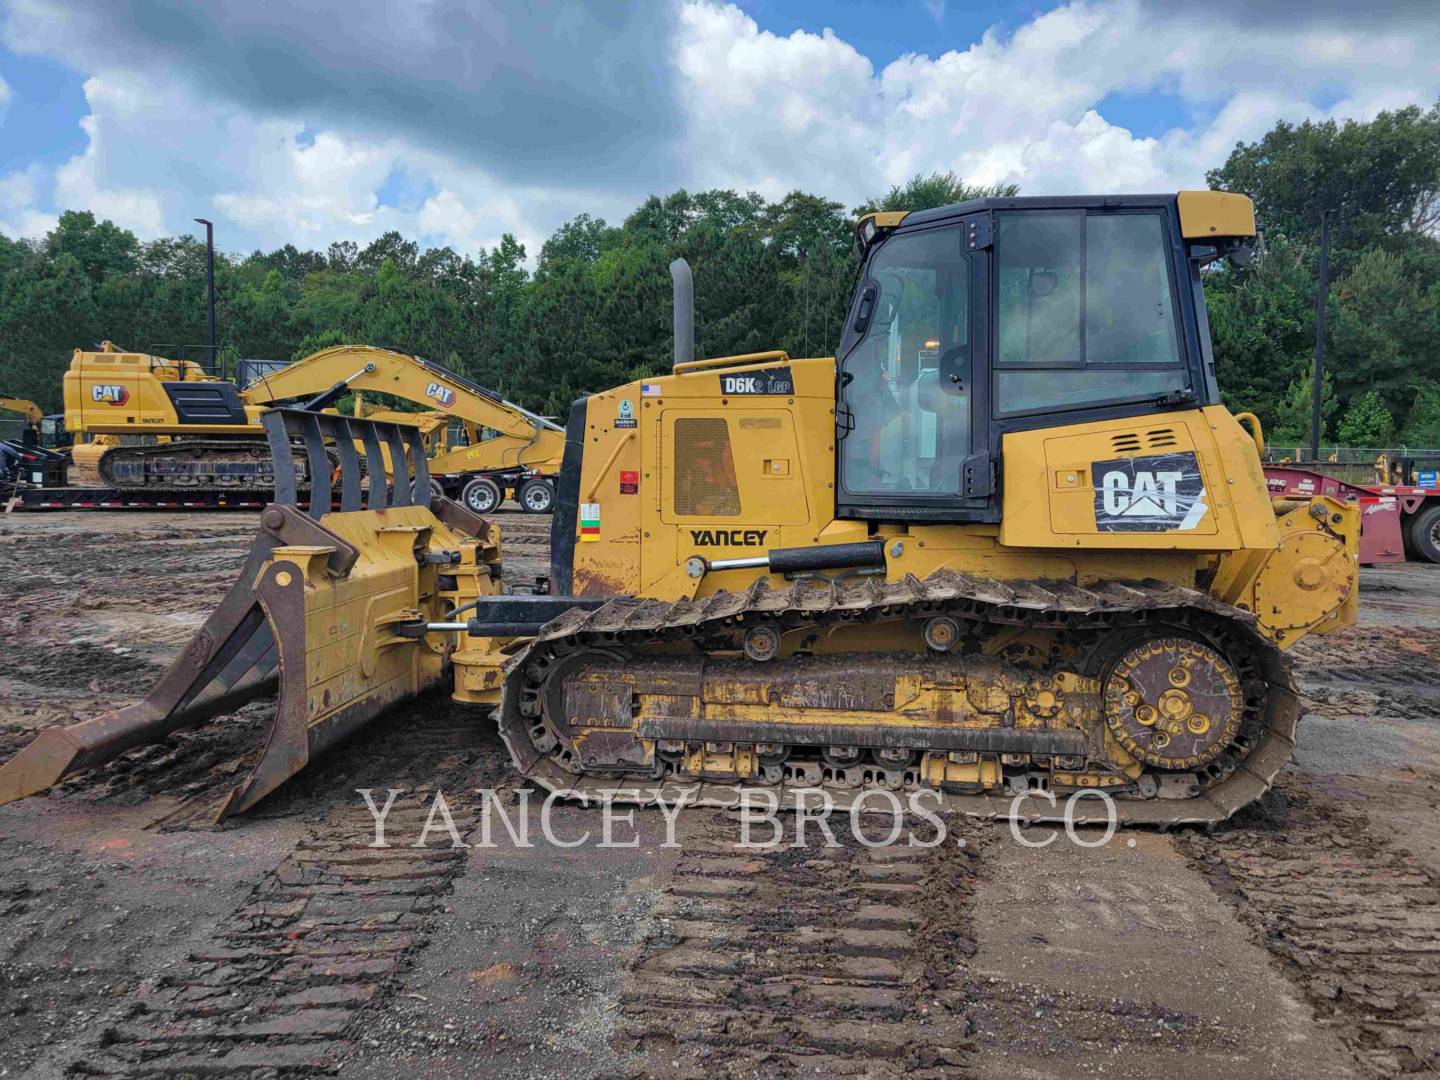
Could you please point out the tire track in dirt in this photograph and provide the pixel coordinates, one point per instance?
(1354, 921)
(286, 979)
(808, 961)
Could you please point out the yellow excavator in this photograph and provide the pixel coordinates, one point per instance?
(1007, 543)
(40, 455)
(203, 431)
(41, 429)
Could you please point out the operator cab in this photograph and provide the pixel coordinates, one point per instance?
(52, 434)
(999, 315)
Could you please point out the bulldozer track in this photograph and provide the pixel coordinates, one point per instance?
(284, 982)
(628, 628)
(826, 961)
(1353, 920)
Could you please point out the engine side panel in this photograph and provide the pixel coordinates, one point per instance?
(1182, 481)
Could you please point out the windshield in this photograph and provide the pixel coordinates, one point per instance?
(906, 383)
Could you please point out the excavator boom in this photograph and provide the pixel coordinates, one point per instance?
(509, 448)
(33, 413)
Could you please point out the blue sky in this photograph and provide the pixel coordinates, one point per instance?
(459, 120)
(42, 121)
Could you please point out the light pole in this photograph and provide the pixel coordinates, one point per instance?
(1317, 393)
(210, 295)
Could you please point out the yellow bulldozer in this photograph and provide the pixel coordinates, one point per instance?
(196, 429)
(1008, 541)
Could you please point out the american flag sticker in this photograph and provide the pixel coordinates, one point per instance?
(649, 389)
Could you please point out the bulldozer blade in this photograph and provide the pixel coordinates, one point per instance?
(322, 613)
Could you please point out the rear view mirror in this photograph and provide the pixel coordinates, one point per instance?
(1241, 256)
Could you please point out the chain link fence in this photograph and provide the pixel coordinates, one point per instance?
(1347, 455)
(1354, 464)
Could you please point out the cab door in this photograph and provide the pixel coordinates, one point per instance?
(913, 394)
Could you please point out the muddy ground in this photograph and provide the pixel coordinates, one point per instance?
(1302, 940)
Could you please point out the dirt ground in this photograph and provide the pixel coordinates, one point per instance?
(1301, 940)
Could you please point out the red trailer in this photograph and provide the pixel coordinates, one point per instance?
(1395, 519)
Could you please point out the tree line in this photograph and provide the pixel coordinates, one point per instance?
(593, 310)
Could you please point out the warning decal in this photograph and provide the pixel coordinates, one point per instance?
(589, 521)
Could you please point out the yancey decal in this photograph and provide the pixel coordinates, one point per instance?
(625, 413)
(728, 537)
(443, 394)
(770, 381)
(1162, 493)
(109, 394)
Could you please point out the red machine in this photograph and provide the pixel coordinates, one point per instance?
(1391, 514)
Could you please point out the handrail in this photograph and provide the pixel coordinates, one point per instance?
(1250, 420)
(731, 361)
(604, 470)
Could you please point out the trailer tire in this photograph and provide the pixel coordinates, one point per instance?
(1425, 533)
(537, 495)
(482, 495)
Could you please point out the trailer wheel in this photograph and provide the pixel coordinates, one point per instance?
(1425, 533)
(481, 495)
(537, 496)
(436, 491)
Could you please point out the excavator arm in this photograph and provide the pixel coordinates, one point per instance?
(349, 368)
(32, 412)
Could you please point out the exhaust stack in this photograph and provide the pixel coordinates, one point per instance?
(684, 311)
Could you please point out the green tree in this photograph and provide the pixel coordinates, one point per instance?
(1382, 177)
(1367, 422)
(1382, 331)
(1422, 426)
(1262, 324)
(1294, 412)
(935, 189)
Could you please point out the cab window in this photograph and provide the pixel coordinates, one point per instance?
(1085, 311)
(906, 383)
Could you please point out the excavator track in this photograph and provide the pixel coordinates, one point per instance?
(194, 462)
(1169, 701)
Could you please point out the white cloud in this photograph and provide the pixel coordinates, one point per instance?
(19, 196)
(4, 98)
(773, 113)
(1028, 107)
(289, 161)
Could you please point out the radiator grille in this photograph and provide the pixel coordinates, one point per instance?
(704, 469)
